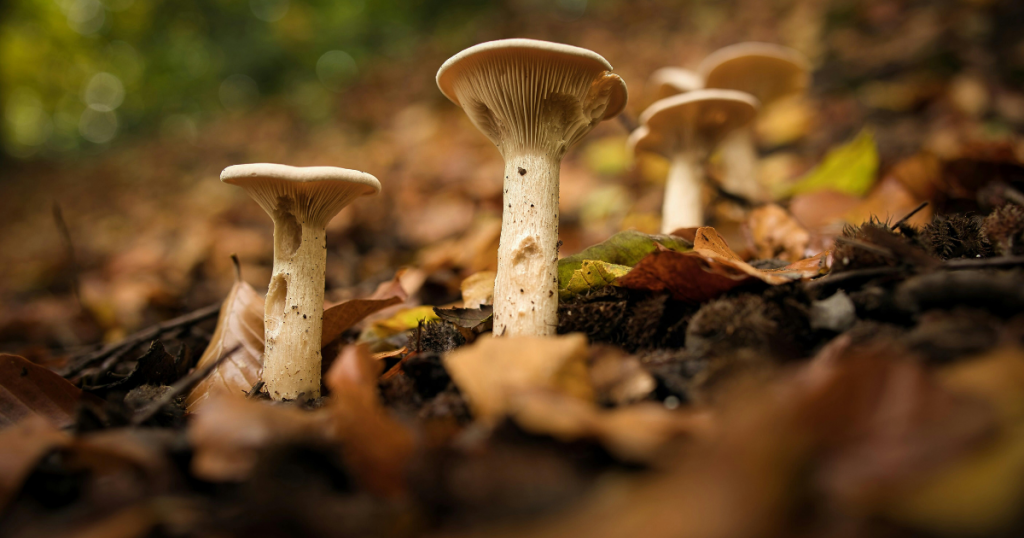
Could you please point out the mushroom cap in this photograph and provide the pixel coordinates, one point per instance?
(315, 193)
(669, 81)
(692, 121)
(764, 70)
(512, 88)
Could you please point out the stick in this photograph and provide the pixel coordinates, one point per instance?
(65, 233)
(119, 349)
(903, 221)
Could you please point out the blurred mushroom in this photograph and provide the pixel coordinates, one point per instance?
(685, 128)
(768, 72)
(534, 100)
(301, 201)
(669, 81)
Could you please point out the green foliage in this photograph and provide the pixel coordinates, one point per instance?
(850, 169)
(171, 64)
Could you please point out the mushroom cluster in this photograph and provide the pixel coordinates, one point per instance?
(534, 100)
(758, 74)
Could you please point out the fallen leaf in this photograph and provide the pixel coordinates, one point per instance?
(635, 433)
(478, 289)
(467, 318)
(27, 389)
(340, 317)
(618, 378)
(624, 248)
(850, 169)
(240, 325)
(592, 275)
(776, 234)
(492, 371)
(21, 447)
(378, 332)
(375, 446)
(155, 367)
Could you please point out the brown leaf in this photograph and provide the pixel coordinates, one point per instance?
(776, 234)
(240, 324)
(492, 370)
(27, 389)
(21, 447)
(375, 446)
(465, 317)
(340, 317)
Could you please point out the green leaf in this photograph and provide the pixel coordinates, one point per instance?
(594, 274)
(624, 249)
(850, 169)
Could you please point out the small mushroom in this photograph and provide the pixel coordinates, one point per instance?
(533, 100)
(301, 201)
(766, 71)
(685, 128)
(669, 81)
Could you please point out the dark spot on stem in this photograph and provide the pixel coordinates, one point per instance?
(522, 171)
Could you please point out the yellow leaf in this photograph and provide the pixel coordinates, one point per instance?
(849, 169)
(594, 274)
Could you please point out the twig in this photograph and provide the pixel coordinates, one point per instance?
(838, 278)
(976, 263)
(179, 388)
(119, 349)
(65, 233)
(627, 122)
(904, 220)
(881, 251)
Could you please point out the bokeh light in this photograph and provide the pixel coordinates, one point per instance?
(337, 70)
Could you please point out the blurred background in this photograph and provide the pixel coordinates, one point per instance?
(118, 115)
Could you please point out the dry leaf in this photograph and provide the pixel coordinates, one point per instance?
(27, 389)
(618, 378)
(491, 371)
(21, 447)
(478, 289)
(240, 324)
(340, 317)
(775, 234)
(376, 447)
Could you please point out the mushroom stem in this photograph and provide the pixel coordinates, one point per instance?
(683, 206)
(293, 317)
(526, 286)
(739, 157)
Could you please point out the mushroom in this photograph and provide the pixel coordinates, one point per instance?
(685, 128)
(533, 100)
(766, 71)
(301, 200)
(669, 81)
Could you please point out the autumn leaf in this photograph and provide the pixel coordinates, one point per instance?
(466, 318)
(492, 371)
(27, 389)
(377, 334)
(599, 265)
(340, 317)
(240, 325)
(776, 234)
(592, 275)
(21, 447)
(849, 169)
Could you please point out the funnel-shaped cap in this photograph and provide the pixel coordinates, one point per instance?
(314, 194)
(529, 95)
(694, 121)
(764, 70)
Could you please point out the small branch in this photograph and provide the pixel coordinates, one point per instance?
(977, 263)
(904, 220)
(119, 349)
(180, 387)
(65, 233)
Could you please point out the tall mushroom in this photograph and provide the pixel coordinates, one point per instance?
(766, 71)
(669, 81)
(301, 201)
(533, 100)
(685, 128)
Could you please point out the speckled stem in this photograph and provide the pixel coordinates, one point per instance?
(526, 286)
(684, 205)
(293, 318)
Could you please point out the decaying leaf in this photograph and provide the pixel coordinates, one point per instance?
(240, 324)
(21, 447)
(635, 433)
(466, 318)
(592, 275)
(375, 446)
(340, 317)
(478, 289)
(775, 234)
(492, 371)
(27, 389)
(378, 332)
(851, 169)
(624, 248)
(618, 378)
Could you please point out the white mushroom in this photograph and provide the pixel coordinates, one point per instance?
(685, 128)
(669, 81)
(301, 201)
(766, 71)
(534, 100)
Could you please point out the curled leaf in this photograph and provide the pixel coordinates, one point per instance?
(27, 389)
(340, 317)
